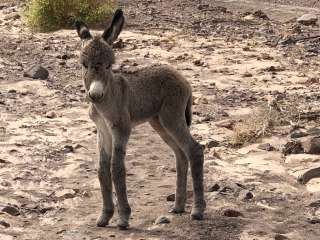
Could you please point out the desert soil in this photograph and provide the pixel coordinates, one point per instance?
(235, 61)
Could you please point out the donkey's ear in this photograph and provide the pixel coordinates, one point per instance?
(83, 30)
(112, 33)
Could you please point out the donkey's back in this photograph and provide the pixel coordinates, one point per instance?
(149, 88)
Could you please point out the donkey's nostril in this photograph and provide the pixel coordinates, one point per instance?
(95, 97)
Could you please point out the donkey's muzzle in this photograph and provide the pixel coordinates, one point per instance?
(95, 93)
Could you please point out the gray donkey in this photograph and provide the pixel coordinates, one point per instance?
(158, 95)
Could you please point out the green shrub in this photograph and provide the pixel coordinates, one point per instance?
(49, 15)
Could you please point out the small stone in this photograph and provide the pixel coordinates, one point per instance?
(171, 197)
(198, 63)
(162, 220)
(65, 194)
(12, 91)
(37, 72)
(214, 188)
(245, 195)
(68, 149)
(65, 57)
(266, 146)
(231, 213)
(280, 237)
(51, 114)
(308, 19)
(247, 74)
(5, 224)
(11, 210)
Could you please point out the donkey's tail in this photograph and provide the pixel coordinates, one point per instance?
(188, 112)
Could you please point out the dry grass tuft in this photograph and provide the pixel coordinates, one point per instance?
(262, 122)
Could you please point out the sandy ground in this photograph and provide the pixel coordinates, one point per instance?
(55, 190)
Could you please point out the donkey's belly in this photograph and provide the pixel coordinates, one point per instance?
(141, 114)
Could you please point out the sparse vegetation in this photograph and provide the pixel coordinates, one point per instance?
(49, 15)
(262, 122)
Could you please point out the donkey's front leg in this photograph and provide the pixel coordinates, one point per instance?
(104, 151)
(120, 136)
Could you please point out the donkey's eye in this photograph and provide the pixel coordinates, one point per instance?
(84, 65)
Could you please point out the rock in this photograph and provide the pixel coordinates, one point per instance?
(280, 237)
(298, 134)
(308, 19)
(12, 16)
(245, 195)
(266, 146)
(171, 197)
(292, 147)
(65, 194)
(162, 220)
(214, 188)
(51, 114)
(11, 210)
(37, 72)
(311, 145)
(5, 224)
(231, 213)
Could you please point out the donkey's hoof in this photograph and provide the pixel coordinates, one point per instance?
(102, 222)
(123, 226)
(176, 210)
(197, 215)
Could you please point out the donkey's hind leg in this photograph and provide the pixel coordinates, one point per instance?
(173, 120)
(181, 166)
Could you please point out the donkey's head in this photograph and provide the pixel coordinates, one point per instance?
(97, 56)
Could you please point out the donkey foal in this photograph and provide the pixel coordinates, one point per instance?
(159, 95)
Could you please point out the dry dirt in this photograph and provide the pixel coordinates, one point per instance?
(48, 165)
